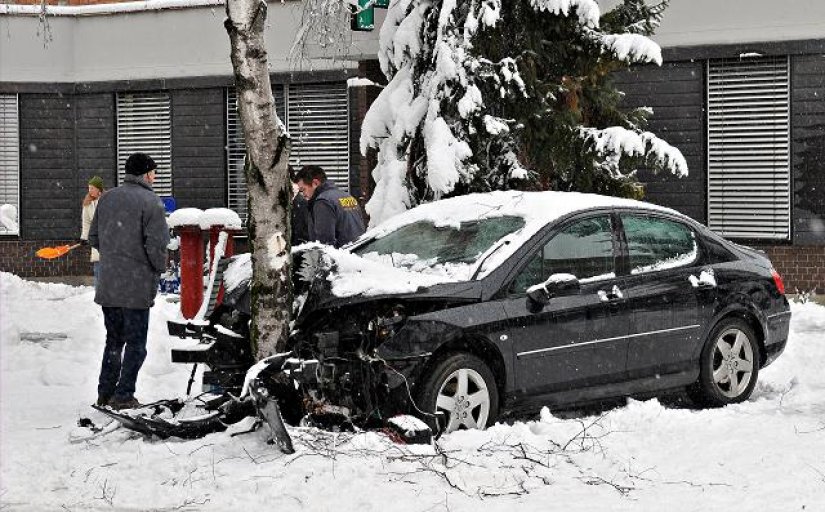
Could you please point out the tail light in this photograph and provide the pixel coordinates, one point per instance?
(777, 279)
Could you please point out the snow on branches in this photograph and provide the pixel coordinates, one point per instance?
(615, 141)
(491, 95)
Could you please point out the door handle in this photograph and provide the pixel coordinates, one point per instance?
(705, 281)
(613, 295)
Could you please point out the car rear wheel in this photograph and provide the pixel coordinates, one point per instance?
(461, 392)
(729, 365)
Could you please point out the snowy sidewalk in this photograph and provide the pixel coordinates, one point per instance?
(766, 454)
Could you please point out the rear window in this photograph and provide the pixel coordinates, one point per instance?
(655, 243)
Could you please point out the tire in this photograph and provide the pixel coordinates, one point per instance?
(440, 393)
(728, 366)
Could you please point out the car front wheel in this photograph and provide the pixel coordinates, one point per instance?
(460, 391)
(729, 365)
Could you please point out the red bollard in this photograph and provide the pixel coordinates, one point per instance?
(191, 270)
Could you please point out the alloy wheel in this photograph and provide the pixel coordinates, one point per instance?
(464, 400)
(733, 362)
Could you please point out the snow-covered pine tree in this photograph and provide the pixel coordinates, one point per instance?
(490, 95)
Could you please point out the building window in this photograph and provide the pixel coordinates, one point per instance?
(749, 180)
(236, 149)
(9, 163)
(319, 128)
(316, 116)
(144, 124)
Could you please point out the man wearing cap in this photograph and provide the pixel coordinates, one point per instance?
(129, 229)
(87, 214)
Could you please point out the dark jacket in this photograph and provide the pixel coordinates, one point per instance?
(129, 229)
(335, 217)
(300, 220)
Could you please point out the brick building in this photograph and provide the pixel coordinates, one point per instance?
(741, 93)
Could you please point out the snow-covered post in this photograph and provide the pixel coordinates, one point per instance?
(185, 223)
(270, 191)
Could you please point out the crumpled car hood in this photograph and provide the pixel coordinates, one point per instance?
(315, 276)
(320, 282)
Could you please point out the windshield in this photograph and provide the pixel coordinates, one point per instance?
(423, 245)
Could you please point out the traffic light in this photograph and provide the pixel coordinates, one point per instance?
(363, 18)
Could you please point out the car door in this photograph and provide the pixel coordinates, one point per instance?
(577, 340)
(663, 258)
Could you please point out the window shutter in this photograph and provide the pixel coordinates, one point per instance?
(144, 124)
(318, 124)
(236, 148)
(9, 156)
(748, 147)
(315, 116)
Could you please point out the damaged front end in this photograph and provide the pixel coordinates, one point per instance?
(336, 374)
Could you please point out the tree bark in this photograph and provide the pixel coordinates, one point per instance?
(267, 179)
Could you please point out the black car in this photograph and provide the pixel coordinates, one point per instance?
(467, 309)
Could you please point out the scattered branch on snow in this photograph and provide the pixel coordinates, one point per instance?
(107, 493)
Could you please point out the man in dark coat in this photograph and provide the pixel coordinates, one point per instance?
(130, 232)
(300, 219)
(334, 216)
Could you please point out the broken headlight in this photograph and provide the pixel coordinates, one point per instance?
(387, 326)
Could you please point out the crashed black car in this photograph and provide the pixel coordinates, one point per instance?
(467, 309)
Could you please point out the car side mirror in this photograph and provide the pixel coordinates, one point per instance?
(557, 285)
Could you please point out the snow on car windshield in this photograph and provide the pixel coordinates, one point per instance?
(424, 245)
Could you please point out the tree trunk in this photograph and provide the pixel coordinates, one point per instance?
(266, 168)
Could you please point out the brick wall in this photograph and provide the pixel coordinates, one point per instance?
(802, 267)
(18, 257)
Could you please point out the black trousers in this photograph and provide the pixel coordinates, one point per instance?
(125, 351)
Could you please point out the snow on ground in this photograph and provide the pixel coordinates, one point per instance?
(766, 454)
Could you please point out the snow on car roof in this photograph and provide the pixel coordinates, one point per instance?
(536, 208)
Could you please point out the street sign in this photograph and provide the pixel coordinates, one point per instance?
(363, 18)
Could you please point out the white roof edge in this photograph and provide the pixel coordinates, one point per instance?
(103, 9)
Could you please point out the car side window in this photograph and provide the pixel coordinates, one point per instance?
(656, 243)
(583, 248)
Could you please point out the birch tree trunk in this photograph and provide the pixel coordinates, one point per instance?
(267, 179)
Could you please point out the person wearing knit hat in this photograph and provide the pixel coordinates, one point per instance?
(139, 164)
(96, 182)
(95, 190)
(129, 229)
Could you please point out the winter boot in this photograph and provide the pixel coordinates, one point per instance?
(124, 403)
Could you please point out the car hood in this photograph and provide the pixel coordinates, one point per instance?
(324, 277)
(327, 278)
